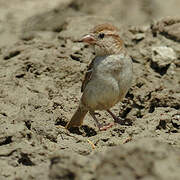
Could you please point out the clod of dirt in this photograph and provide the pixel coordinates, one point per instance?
(64, 167)
(163, 56)
(168, 27)
(142, 159)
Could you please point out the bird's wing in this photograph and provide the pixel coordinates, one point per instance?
(88, 75)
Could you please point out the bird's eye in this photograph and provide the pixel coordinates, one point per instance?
(101, 35)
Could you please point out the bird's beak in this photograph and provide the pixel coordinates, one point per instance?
(89, 38)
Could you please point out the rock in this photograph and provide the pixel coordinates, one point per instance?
(163, 56)
(138, 37)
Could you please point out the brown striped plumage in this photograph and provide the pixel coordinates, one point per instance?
(103, 27)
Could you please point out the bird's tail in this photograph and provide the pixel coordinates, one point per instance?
(77, 118)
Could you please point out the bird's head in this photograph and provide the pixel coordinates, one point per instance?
(105, 39)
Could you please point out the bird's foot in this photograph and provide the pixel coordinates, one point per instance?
(104, 127)
(117, 120)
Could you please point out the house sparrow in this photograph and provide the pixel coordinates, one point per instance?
(108, 77)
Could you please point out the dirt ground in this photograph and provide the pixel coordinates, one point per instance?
(42, 65)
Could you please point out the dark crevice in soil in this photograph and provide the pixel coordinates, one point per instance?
(79, 53)
(89, 131)
(139, 84)
(4, 114)
(119, 131)
(75, 130)
(25, 160)
(63, 45)
(56, 105)
(83, 130)
(159, 70)
(161, 125)
(134, 60)
(171, 37)
(176, 124)
(51, 138)
(177, 107)
(75, 6)
(152, 108)
(174, 131)
(139, 114)
(60, 122)
(8, 154)
(28, 124)
(21, 75)
(8, 140)
(136, 41)
(125, 112)
(154, 32)
(29, 136)
(76, 58)
(149, 96)
(11, 54)
(135, 105)
(130, 95)
(155, 104)
(28, 66)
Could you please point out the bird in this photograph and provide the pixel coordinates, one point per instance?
(108, 77)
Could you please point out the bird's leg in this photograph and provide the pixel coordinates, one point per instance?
(116, 119)
(102, 127)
